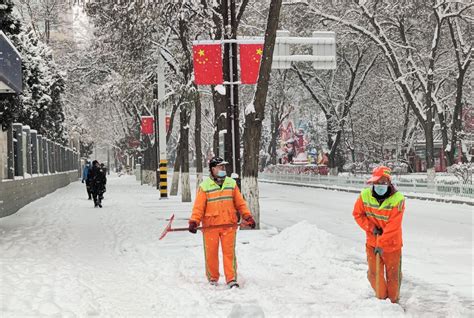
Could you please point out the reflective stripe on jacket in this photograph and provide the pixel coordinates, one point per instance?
(368, 213)
(218, 205)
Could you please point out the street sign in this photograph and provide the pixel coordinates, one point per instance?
(325, 50)
(323, 44)
(11, 80)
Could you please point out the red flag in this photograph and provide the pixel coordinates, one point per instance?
(147, 125)
(207, 64)
(250, 57)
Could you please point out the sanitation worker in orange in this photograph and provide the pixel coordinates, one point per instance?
(218, 204)
(379, 211)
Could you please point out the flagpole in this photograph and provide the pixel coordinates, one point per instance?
(232, 106)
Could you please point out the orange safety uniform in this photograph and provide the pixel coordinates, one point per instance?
(369, 213)
(216, 205)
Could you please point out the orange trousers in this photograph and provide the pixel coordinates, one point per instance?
(390, 273)
(226, 237)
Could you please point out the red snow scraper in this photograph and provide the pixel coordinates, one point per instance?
(168, 227)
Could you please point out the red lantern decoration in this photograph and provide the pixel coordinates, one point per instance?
(147, 125)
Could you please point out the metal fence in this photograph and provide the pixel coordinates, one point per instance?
(30, 153)
(445, 188)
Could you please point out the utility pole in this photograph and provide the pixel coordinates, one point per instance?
(161, 109)
(232, 139)
(155, 124)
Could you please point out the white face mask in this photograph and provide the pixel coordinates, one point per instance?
(380, 189)
(221, 174)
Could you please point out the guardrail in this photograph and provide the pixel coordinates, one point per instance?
(438, 188)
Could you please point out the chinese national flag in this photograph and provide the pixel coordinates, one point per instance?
(207, 64)
(250, 57)
(147, 125)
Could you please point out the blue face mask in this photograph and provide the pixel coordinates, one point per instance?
(380, 189)
(221, 174)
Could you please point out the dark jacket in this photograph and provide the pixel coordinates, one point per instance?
(97, 178)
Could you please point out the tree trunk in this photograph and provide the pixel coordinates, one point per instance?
(176, 168)
(184, 145)
(331, 128)
(462, 65)
(219, 119)
(253, 120)
(457, 121)
(173, 113)
(429, 151)
(275, 124)
(197, 136)
(405, 132)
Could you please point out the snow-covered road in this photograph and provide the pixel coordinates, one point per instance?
(60, 256)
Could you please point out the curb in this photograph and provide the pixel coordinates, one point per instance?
(352, 190)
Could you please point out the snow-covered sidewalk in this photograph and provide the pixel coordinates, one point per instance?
(60, 256)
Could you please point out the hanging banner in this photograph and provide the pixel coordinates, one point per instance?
(147, 125)
(250, 58)
(207, 60)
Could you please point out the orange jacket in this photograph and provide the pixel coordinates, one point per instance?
(368, 213)
(216, 205)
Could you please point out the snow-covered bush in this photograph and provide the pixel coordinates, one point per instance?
(463, 171)
(358, 167)
(397, 167)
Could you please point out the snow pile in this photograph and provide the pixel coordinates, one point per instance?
(305, 241)
(305, 271)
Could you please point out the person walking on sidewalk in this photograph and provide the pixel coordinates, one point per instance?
(85, 173)
(103, 171)
(218, 202)
(379, 211)
(97, 183)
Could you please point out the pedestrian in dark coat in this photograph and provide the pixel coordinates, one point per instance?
(98, 181)
(103, 171)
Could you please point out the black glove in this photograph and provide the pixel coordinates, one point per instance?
(378, 250)
(192, 227)
(377, 231)
(250, 222)
(82, 180)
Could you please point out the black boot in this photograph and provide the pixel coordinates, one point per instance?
(233, 284)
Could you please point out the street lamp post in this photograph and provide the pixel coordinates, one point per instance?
(161, 107)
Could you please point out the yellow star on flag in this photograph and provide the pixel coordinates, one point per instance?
(201, 52)
(259, 51)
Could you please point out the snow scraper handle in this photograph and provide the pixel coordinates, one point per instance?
(204, 227)
(168, 227)
(377, 268)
